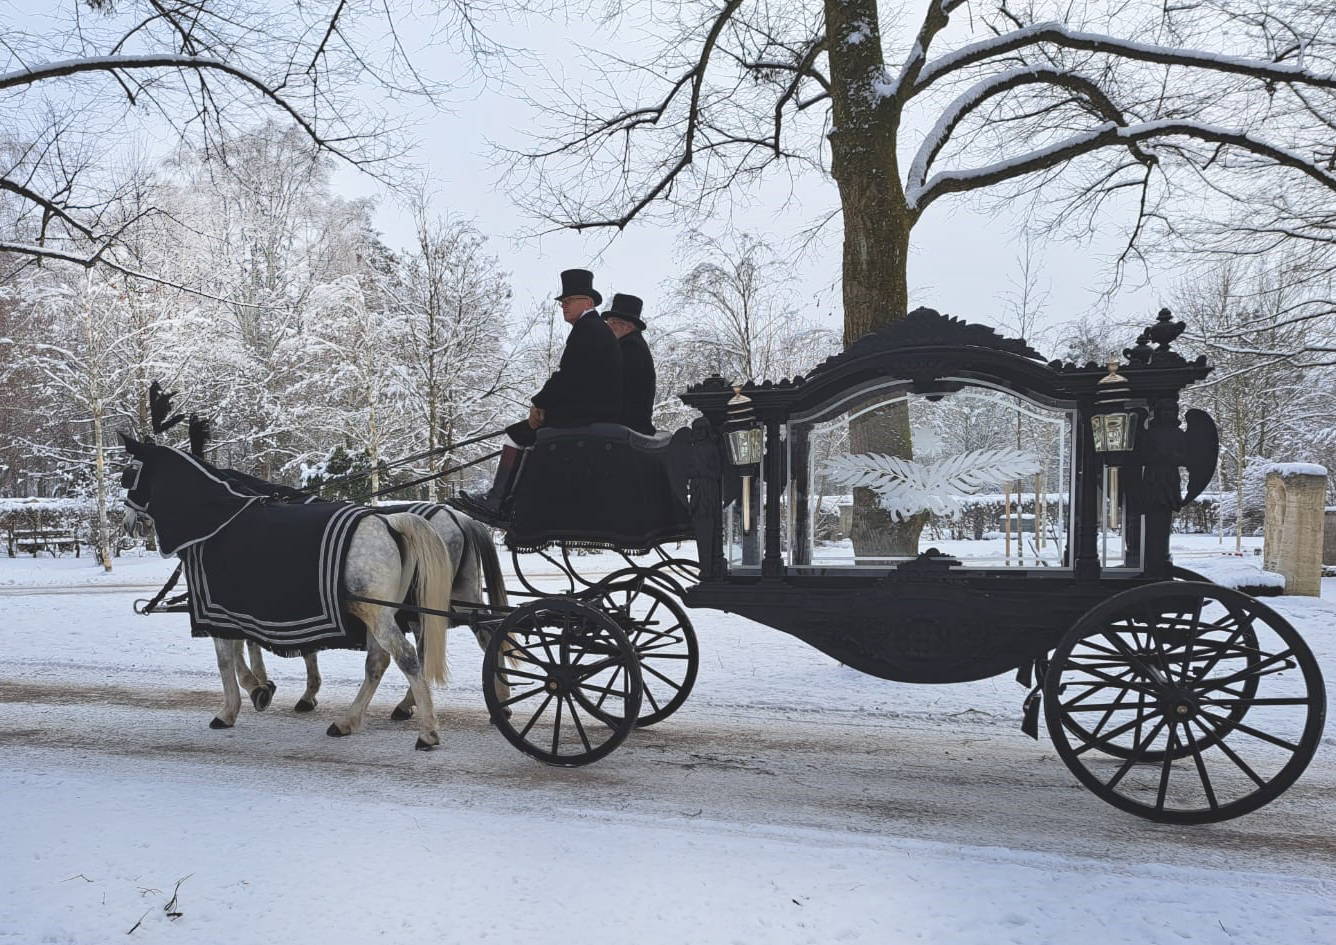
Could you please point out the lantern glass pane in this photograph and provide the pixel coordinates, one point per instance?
(1097, 428)
(1115, 429)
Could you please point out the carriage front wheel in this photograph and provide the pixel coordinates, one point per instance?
(1184, 702)
(573, 677)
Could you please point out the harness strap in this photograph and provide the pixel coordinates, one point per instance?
(157, 598)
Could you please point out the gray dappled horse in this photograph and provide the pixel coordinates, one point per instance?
(477, 574)
(188, 503)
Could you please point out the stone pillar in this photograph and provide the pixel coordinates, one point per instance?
(1329, 541)
(1295, 497)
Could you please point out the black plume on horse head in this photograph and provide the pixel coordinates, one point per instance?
(186, 498)
(159, 406)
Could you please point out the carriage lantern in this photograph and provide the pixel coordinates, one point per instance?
(745, 439)
(1113, 422)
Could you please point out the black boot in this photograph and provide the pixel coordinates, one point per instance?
(494, 507)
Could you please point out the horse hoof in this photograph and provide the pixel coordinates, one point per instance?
(260, 697)
(271, 686)
(335, 732)
(424, 745)
(399, 714)
(219, 723)
(303, 706)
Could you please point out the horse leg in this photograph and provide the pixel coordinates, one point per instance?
(258, 668)
(229, 654)
(307, 702)
(377, 659)
(404, 710)
(406, 658)
(255, 684)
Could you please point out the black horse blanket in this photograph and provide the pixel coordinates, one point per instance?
(272, 575)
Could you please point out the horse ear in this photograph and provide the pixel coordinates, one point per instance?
(132, 446)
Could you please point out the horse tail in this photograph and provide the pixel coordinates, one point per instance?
(426, 554)
(480, 537)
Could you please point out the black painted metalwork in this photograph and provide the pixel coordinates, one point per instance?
(929, 622)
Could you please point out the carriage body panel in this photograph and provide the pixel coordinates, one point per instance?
(956, 628)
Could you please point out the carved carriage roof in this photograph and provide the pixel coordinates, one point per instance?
(926, 346)
(925, 327)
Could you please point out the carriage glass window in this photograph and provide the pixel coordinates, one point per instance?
(979, 473)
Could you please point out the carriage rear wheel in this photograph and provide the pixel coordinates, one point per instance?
(574, 678)
(1184, 702)
(663, 637)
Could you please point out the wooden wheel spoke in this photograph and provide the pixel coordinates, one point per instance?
(1191, 742)
(605, 691)
(1232, 703)
(1108, 714)
(1166, 766)
(521, 674)
(579, 729)
(541, 709)
(1091, 689)
(506, 703)
(1138, 748)
(1110, 736)
(588, 670)
(1233, 756)
(1255, 670)
(1142, 667)
(1121, 682)
(1222, 724)
(648, 668)
(1225, 647)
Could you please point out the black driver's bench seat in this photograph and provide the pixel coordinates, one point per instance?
(603, 486)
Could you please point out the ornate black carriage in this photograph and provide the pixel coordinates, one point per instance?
(1167, 695)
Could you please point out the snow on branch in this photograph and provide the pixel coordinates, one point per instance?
(989, 88)
(113, 64)
(1106, 135)
(1059, 35)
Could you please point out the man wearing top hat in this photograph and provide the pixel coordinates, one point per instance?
(586, 387)
(638, 381)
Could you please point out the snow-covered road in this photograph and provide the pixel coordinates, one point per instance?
(790, 800)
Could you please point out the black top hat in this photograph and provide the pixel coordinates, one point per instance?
(626, 307)
(579, 282)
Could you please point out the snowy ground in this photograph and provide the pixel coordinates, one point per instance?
(791, 800)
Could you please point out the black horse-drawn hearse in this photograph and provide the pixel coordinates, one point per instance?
(1167, 695)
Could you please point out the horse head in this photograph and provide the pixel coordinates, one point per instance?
(183, 497)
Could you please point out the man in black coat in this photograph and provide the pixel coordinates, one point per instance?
(638, 381)
(586, 388)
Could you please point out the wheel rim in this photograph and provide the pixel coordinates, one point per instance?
(574, 679)
(1184, 703)
(664, 640)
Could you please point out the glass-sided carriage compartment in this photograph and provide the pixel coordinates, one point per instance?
(989, 473)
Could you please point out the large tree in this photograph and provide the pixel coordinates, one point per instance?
(1136, 106)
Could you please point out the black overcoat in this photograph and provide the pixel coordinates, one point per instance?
(587, 385)
(638, 383)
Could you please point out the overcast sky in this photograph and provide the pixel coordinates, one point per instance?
(964, 263)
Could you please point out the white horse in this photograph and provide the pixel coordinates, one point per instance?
(188, 503)
(478, 580)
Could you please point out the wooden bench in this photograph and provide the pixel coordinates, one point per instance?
(33, 540)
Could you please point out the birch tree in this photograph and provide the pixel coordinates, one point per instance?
(452, 304)
(83, 367)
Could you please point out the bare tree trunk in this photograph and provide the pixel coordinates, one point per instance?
(877, 222)
(99, 462)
